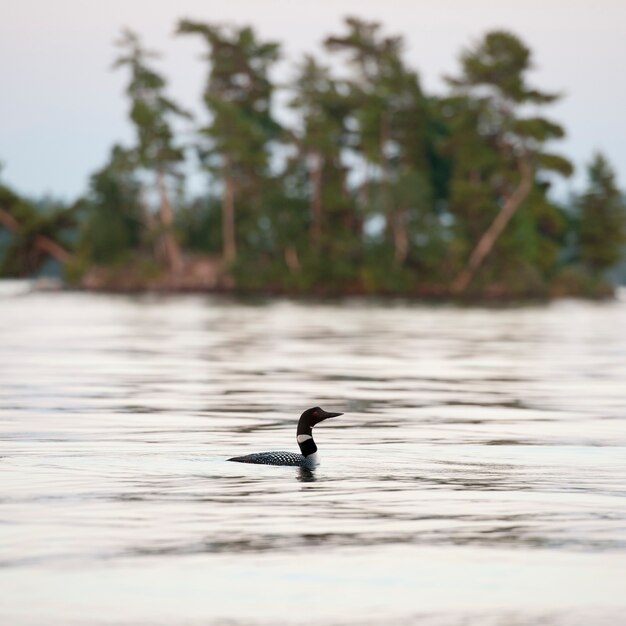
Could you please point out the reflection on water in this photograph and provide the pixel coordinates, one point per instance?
(477, 476)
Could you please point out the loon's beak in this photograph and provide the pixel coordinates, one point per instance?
(327, 415)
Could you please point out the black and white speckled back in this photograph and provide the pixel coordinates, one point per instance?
(272, 458)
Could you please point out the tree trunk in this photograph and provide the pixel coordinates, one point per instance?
(365, 191)
(228, 218)
(172, 250)
(383, 138)
(400, 238)
(52, 248)
(8, 221)
(292, 260)
(315, 178)
(41, 242)
(487, 241)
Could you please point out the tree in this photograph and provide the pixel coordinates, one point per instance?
(498, 152)
(318, 174)
(391, 136)
(602, 211)
(238, 96)
(156, 151)
(323, 135)
(37, 233)
(115, 221)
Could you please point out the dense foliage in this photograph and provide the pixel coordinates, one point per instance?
(372, 187)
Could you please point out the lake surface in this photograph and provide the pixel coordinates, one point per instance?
(477, 478)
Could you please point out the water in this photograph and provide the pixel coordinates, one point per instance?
(478, 476)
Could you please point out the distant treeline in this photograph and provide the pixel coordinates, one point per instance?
(375, 187)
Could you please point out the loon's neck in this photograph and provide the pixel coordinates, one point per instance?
(304, 427)
(308, 449)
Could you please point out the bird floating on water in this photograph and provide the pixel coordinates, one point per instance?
(304, 436)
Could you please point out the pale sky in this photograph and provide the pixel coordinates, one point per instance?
(61, 107)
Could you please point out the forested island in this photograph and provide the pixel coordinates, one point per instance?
(358, 183)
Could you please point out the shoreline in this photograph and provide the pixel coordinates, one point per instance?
(496, 299)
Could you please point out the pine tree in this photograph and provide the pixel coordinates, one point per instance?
(496, 152)
(37, 233)
(602, 210)
(320, 140)
(238, 96)
(115, 222)
(391, 136)
(156, 150)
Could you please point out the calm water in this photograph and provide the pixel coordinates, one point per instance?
(477, 478)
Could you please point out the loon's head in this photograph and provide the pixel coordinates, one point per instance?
(312, 417)
(304, 436)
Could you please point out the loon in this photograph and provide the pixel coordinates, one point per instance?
(304, 436)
